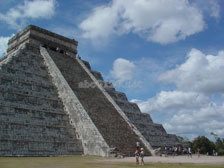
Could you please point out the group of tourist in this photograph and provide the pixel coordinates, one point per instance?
(174, 151)
(139, 154)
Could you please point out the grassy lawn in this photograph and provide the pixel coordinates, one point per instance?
(83, 162)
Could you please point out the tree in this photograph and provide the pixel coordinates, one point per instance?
(204, 144)
(219, 144)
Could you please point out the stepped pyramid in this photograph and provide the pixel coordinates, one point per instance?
(46, 108)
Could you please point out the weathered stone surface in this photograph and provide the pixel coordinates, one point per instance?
(115, 130)
(92, 140)
(45, 110)
(32, 118)
(37, 36)
(154, 133)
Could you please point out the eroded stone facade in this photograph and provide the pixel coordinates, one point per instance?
(32, 118)
(154, 133)
(44, 111)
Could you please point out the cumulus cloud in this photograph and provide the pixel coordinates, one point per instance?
(18, 15)
(199, 121)
(123, 70)
(210, 8)
(186, 113)
(3, 44)
(215, 8)
(200, 73)
(196, 106)
(161, 21)
(166, 101)
(131, 76)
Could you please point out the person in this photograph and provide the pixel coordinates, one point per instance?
(174, 151)
(198, 151)
(137, 156)
(179, 151)
(165, 151)
(142, 153)
(189, 152)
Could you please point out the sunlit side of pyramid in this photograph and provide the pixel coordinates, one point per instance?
(45, 109)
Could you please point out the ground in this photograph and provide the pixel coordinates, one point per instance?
(96, 162)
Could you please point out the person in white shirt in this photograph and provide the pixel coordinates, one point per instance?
(142, 154)
(189, 152)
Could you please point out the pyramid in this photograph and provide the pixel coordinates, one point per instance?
(53, 103)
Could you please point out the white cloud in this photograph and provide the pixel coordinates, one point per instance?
(210, 8)
(186, 113)
(162, 21)
(3, 44)
(200, 121)
(215, 8)
(35, 9)
(166, 101)
(131, 76)
(123, 70)
(100, 24)
(200, 73)
(196, 106)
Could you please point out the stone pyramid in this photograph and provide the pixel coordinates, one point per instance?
(53, 103)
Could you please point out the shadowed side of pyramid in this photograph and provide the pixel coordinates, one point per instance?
(154, 133)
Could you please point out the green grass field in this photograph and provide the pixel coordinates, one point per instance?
(83, 162)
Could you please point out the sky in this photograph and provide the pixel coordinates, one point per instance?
(166, 55)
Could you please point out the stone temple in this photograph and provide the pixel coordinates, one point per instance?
(46, 108)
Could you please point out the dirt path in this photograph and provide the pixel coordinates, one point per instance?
(177, 159)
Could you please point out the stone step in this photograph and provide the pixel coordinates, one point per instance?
(31, 110)
(114, 129)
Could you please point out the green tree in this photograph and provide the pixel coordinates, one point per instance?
(204, 144)
(219, 144)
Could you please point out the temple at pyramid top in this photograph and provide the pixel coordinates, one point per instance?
(39, 36)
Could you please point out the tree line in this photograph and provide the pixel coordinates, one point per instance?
(208, 147)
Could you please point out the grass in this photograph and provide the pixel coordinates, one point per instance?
(83, 162)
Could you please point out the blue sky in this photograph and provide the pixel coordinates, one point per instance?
(167, 56)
